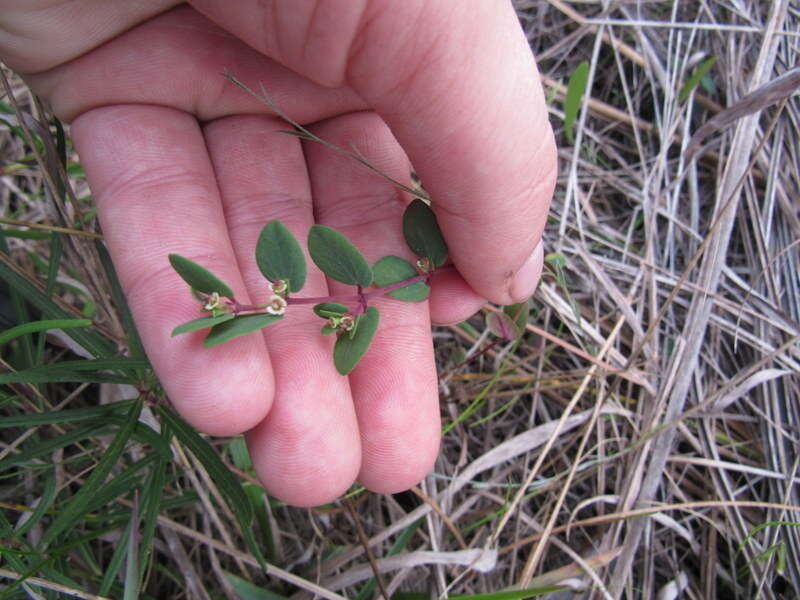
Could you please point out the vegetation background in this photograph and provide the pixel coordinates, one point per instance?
(640, 441)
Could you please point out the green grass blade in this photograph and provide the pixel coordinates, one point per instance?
(576, 87)
(117, 558)
(69, 415)
(365, 593)
(134, 341)
(695, 79)
(48, 493)
(45, 447)
(77, 507)
(227, 482)
(151, 505)
(79, 371)
(88, 338)
(45, 325)
(250, 591)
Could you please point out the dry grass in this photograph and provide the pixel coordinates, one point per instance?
(635, 451)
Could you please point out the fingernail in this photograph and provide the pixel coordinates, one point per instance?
(527, 276)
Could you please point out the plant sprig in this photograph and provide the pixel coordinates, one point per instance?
(350, 317)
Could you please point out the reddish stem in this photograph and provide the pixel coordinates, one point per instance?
(362, 298)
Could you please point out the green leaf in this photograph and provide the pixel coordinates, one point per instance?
(694, 80)
(576, 86)
(519, 314)
(199, 278)
(393, 269)
(201, 323)
(337, 257)
(327, 330)
(249, 591)
(226, 482)
(45, 325)
(347, 352)
(330, 309)
(279, 256)
(501, 325)
(422, 233)
(237, 327)
(69, 515)
(120, 301)
(79, 371)
(87, 337)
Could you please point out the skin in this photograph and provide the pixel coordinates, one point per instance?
(180, 160)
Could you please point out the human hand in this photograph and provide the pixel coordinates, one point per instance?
(181, 161)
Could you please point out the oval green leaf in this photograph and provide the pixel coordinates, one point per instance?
(393, 269)
(348, 351)
(279, 256)
(330, 309)
(422, 233)
(201, 323)
(237, 327)
(199, 278)
(337, 257)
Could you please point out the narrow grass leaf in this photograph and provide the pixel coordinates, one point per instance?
(250, 591)
(47, 494)
(46, 447)
(279, 256)
(76, 508)
(337, 257)
(227, 482)
(87, 337)
(132, 560)
(120, 301)
(348, 351)
(695, 79)
(78, 370)
(151, 505)
(121, 550)
(365, 593)
(68, 415)
(198, 277)
(330, 309)
(238, 327)
(45, 325)
(200, 323)
(422, 233)
(576, 87)
(393, 269)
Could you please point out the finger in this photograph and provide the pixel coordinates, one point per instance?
(307, 451)
(394, 385)
(156, 195)
(176, 59)
(460, 91)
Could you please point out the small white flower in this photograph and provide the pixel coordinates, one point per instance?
(212, 302)
(276, 306)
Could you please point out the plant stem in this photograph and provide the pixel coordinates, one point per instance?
(362, 298)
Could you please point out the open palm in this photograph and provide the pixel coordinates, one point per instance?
(181, 161)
